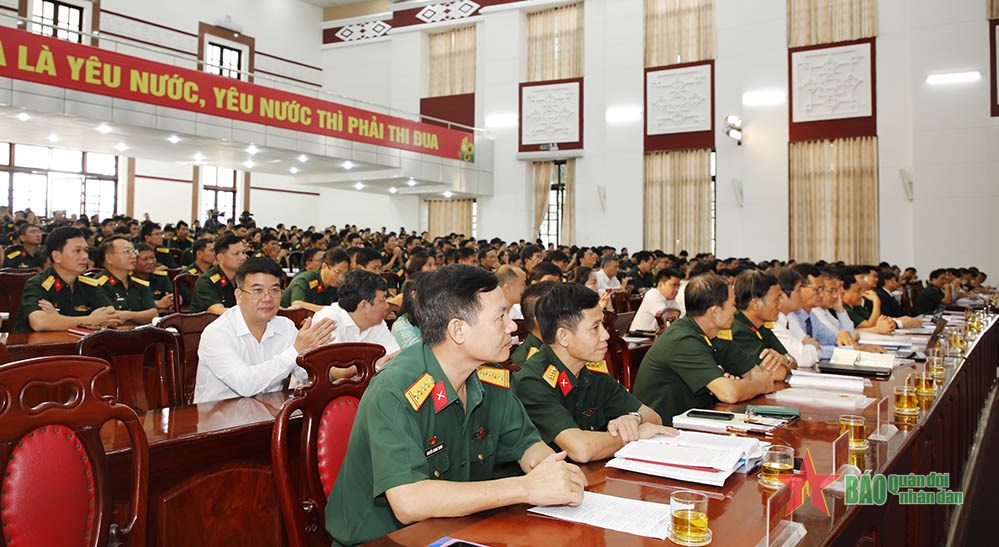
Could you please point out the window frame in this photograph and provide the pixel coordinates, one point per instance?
(226, 39)
(545, 233)
(216, 192)
(89, 18)
(11, 168)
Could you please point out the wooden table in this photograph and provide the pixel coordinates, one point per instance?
(210, 477)
(25, 345)
(939, 441)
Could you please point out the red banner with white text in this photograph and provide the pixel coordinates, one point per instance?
(41, 59)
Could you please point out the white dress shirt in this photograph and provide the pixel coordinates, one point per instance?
(680, 301)
(653, 303)
(348, 331)
(515, 312)
(605, 282)
(232, 363)
(788, 330)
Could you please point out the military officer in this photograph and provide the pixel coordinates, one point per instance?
(128, 294)
(215, 289)
(182, 238)
(30, 238)
(532, 342)
(152, 235)
(316, 289)
(148, 271)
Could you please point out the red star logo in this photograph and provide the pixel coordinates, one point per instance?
(807, 483)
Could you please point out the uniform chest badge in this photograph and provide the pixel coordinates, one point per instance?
(479, 434)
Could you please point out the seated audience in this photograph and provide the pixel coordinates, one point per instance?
(29, 237)
(315, 289)
(546, 271)
(532, 342)
(657, 300)
(215, 289)
(939, 293)
(359, 312)
(149, 271)
(805, 349)
(249, 349)
(568, 374)
(128, 294)
(607, 279)
(512, 281)
(405, 329)
(431, 409)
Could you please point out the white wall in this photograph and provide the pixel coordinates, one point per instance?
(341, 207)
(280, 203)
(166, 201)
(362, 71)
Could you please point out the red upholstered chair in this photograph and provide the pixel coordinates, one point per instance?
(618, 356)
(183, 280)
(145, 365)
(56, 488)
(189, 326)
(619, 300)
(328, 408)
(11, 290)
(297, 315)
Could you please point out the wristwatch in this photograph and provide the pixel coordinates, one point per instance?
(638, 415)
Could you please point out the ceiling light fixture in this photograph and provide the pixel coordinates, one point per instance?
(411, 182)
(103, 129)
(173, 139)
(121, 147)
(252, 150)
(303, 158)
(24, 116)
(198, 156)
(248, 164)
(359, 186)
(293, 170)
(393, 190)
(53, 138)
(447, 193)
(348, 165)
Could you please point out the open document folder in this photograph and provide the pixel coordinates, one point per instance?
(695, 457)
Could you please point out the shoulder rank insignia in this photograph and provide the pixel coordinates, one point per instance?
(531, 352)
(89, 281)
(550, 375)
(724, 334)
(768, 325)
(160, 272)
(418, 392)
(215, 278)
(494, 376)
(13, 255)
(47, 284)
(599, 367)
(313, 283)
(138, 281)
(193, 271)
(162, 250)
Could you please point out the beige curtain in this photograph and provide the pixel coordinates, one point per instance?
(567, 230)
(678, 201)
(452, 62)
(993, 9)
(449, 215)
(812, 22)
(555, 43)
(679, 31)
(833, 187)
(542, 185)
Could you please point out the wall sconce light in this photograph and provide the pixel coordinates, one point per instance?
(733, 128)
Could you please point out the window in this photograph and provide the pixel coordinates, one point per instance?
(552, 221)
(59, 19)
(475, 219)
(52, 179)
(218, 192)
(223, 60)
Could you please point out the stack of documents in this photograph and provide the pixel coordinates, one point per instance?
(886, 341)
(819, 397)
(642, 518)
(864, 359)
(695, 457)
(806, 379)
(740, 423)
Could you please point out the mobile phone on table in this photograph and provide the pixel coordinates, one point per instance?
(711, 415)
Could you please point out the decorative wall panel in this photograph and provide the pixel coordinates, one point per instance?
(678, 100)
(551, 113)
(831, 83)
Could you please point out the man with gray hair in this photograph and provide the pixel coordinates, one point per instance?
(607, 279)
(513, 281)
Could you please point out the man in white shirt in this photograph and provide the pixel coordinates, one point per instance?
(359, 313)
(513, 281)
(805, 349)
(657, 300)
(248, 349)
(607, 274)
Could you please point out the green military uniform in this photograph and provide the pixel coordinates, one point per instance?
(676, 371)
(526, 350)
(929, 300)
(135, 297)
(75, 299)
(213, 287)
(185, 292)
(164, 257)
(740, 347)
(858, 314)
(18, 258)
(557, 400)
(410, 427)
(640, 280)
(308, 286)
(177, 242)
(159, 284)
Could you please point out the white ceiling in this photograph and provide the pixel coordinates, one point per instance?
(333, 3)
(75, 133)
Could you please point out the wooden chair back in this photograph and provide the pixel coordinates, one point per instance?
(328, 408)
(187, 281)
(11, 290)
(145, 365)
(189, 327)
(56, 487)
(297, 315)
(618, 355)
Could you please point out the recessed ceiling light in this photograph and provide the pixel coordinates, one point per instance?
(53, 138)
(447, 193)
(121, 147)
(103, 129)
(173, 139)
(24, 116)
(411, 182)
(248, 164)
(393, 190)
(303, 158)
(359, 186)
(293, 170)
(198, 157)
(251, 150)
(348, 165)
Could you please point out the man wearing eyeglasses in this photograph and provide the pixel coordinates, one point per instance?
(316, 289)
(248, 349)
(130, 295)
